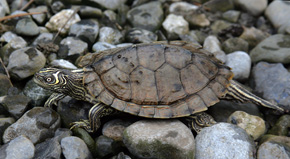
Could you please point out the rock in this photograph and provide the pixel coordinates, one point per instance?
(110, 15)
(277, 12)
(106, 146)
(182, 8)
(90, 12)
(39, 18)
(110, 35)
(37, 94)
(100, 46)
(270, 150)
(114, 129)
(16, 105)
(273, 49)
(219, 5)
(272, 82)
(282, 140)
(48, 149)
(163, 139)
(281, 127)
(175, 25)
(19, 148)
(224, 140)
(231, 15)
(86, 30)
(5, 6)
(253, 36)
(25, 62)
(8, 36)
(64, 64)
(26, 27)
(235, 44)
(62, 133)
(36, 124)
(136, 35)
(86, 137)
(43, 38)
(253, 125)
(5, 123)
(74, 148)
(121, 155)
(57, 21)
(219, 25)
(124, 44)
(148, 16)
(240, 62)
(109, 4)
(57, 6)
(72, 48)
(5, 84)
(255, 8)
(213, 45)
(197, 20)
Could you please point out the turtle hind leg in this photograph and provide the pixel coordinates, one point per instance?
(200, 120)
(237, 92)
(96, 112)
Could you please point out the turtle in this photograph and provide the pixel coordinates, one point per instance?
(155, 80)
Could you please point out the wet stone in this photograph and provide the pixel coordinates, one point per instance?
(235, 44)
(16, 105)
(100, 46)
(110, 35)
(148, 16)
(74, 148)
(37, 124)
(27, 27)
(114, 129)
(39, 18)
(136, 35)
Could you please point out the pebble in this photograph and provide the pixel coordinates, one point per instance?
(72, 48)
(109, 4)
(4, 123)
(213, 45)
(136, 35)
(39, 18)
(281, 140)
(273, 49)
(175, 25)
(100, 46)
(8, 36)
(5, 84)
(26, 27)
(240, 62)
(271, 150)
(87, 138)
(253, 36)
(163, 139)
(106, 146)
(25, 62)
(114, 129)
(90, 12)
(273, 82)
(110, 35)
(224, 140)
(218, 5)
(5, 6)
(50, 148)
(231, 15)
(57, 6)
(57, 21)
(255, 126)
(197, 20)
(148, 16)
(255, 8)
(16, 105)
(182, 8)
(281, 127)
(36, 124)
(75, 148)
(64, 64)
(235, 44)
(219, 25)
(43, 38)
(19, 148)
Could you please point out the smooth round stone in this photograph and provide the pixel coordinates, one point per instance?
(39, 18)
(182, 8)
(61, 63)
(219, 25)
(197, 20)
(110, 15)
(8, 36)
(271, 150)
(90, 12)
(109, 4)
(5, 84)
(281, 140)
(16, 105)
(26, 27)
(254, 125)
(5, 6)
(43, 38)
(163, 139)
(224, 140)
(48, 149)
(235, 44)
(212, 44)
(72, 48)
(75, 148)
(253, 36)
(57, 6)
(136, 35)
(57, 21)
(110, 35)
(240, 62)
(231, 15)
(281, 127)
(274, 49)
(114, 129)
(218, 5)
(85, 136)
(100, 46)
(5, 123)
(175, 24)
(147, 16)
(255, 8)
(106, 146)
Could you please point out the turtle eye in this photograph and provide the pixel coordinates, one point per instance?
(48, 79)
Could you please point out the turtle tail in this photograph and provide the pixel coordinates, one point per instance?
(237, 92)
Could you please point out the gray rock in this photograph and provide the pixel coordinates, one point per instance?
(5, 123)
(62, 133)
(75, 148)
(273, 82)
(110, 15)
(231, 15)
(198, 36)
(163, 139)
(86, 30)
(273, 49)
(136, 35)
(219, 25)
(48, 149)
(72, 48)
(121, 155)
(16, 105)
(114, 129)
(277, 12)
(253, 36)
(270, 150)
(61, 63)
(109, 4)
(106, 146)
(5, 84)
(2, 12)
(87, 138)
(27, 27)
(25, 62)
(5, 6)
(212, 44)
(182, 8)
(255, 8)
(254, 125)
(175, 25)
(37, 124)
(90, 12)
(240, 62)
(100, 46)
(110, 35)
(124, 44)
(43, 38)
(57, 6)
(39, 18)
(148, 16)
(219, 5)
(57, 21)
(224, 140)
(37, 94)
(8, 36)
(235, 44)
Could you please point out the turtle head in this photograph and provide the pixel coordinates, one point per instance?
(68, 82)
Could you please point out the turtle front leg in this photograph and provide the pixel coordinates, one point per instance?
(53, 99)
(200, 120)
(96, 112)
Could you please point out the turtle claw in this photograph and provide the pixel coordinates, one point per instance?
(82, 124)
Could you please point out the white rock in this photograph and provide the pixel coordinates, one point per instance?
(212, 44)
(182, 8)
(20, 148)
(240, 62)
(271, 150)
(254, 7)
(61, 63)
(175, 24)
(75, 148)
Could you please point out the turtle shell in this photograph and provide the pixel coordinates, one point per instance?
(157, 80)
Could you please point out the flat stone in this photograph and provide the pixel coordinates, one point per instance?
(235, 44)
(100, 46)
(48, 149)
